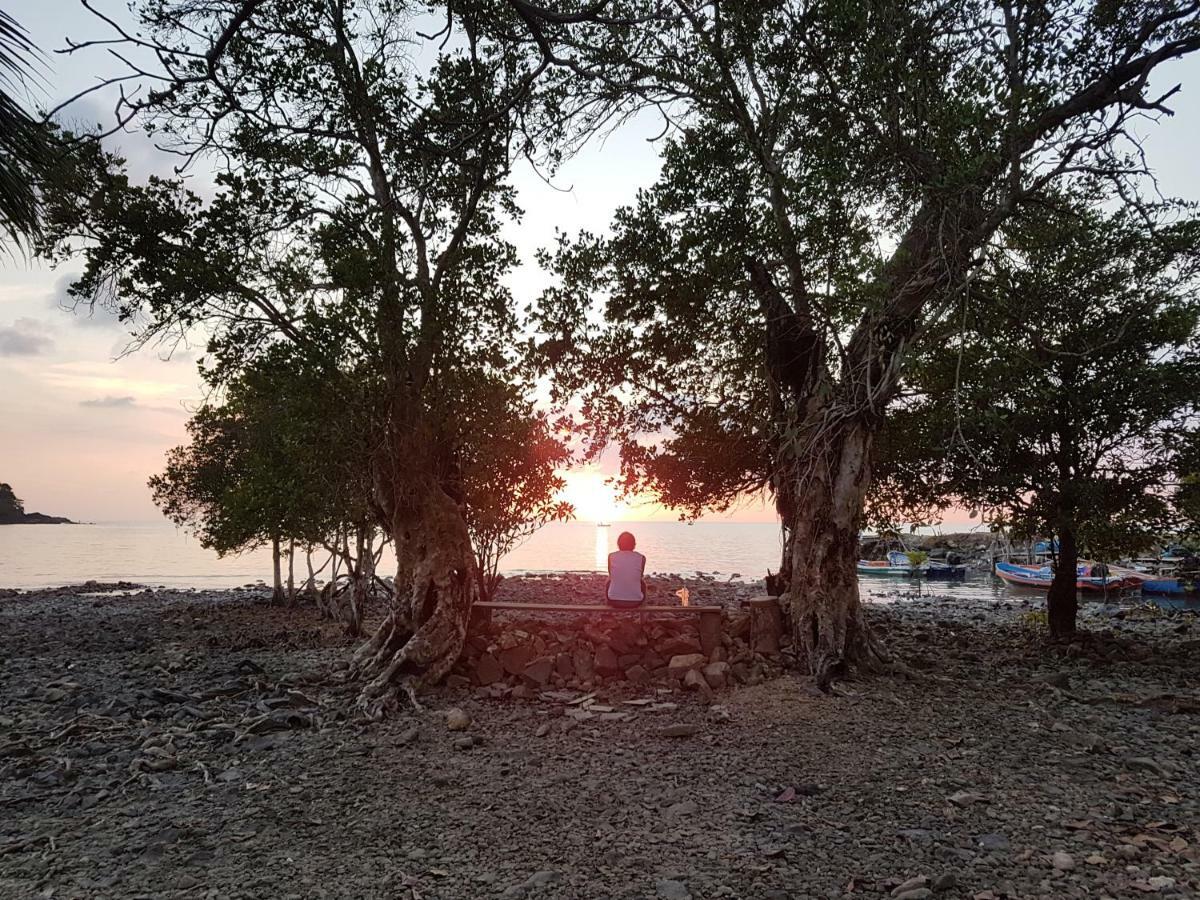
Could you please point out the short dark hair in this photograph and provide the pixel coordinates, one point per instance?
(625, 541)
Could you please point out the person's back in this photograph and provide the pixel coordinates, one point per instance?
(626, 570)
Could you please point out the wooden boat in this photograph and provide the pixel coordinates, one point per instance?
(1089, 576)
(936, 570)
(1172, 587)
(897, 564)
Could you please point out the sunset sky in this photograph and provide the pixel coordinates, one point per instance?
(81, 429)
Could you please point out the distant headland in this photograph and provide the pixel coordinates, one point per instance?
(12, 511)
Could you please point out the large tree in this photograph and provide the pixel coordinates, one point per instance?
(1064, 386)
(360, 191)
(832, 174)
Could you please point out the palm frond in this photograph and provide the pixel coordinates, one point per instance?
(25, 146)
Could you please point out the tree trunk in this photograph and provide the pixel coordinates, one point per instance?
(437, 581)
(277, 592)
(829, 630)
(1062, 601)
(291, 579)
(310, 583)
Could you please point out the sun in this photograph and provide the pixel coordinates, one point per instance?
(595, 500)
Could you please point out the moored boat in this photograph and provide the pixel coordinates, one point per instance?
(897, 564)
(1089, 576)
(936, 570)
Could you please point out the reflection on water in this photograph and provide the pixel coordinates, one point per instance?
(602, 548)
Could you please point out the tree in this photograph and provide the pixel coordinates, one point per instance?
(833, 174)
(358, 204)
(11, 508)
(1059, 398)
(510, 478)
(25, 144)
(280, 460)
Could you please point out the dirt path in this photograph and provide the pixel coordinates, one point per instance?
(191, 744)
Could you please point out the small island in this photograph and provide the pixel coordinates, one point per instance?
(12, 511)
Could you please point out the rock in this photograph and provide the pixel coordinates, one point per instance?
(912, 884)
(488, 670)
(915, 894)
(693, 680)
(457, 682)
(407, 736)
(992, 842)
(947, 881)
(1161, 882)
(564, 665)
(717, 674)
(1063, 861)
(681, 729)
(515, 659)
(1144, 764)
(540, 879)
(965, 798)
(464, 743)
(606, 662)
(539, 670)
(683, 810)
(672, 890)
(682, 663)
(637, 674)
(457, 720)
(542, 730)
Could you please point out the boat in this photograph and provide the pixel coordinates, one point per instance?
(936, 570)
(1089, 576)
(1175, 587)
(897, 564)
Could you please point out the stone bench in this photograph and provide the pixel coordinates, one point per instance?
(710, 624)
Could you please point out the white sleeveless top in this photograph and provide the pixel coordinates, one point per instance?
(625, 575)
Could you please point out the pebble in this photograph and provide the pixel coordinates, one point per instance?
(1062, 861)
(672, 890)
(457, 720)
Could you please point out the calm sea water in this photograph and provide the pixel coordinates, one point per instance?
(159, 554)
(34, 556)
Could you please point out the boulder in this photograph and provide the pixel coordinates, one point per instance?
(637, 674)
(606, 662)
(693, 680)
(717, 675)
(457, 720)
(678, 644)
(582, 658)
(488, 670)
(539, 670)
(683, 662)
(515, 659)
(564, 665)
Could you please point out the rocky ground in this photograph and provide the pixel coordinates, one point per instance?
(198, 744)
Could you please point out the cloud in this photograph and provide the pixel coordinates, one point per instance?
(109, 403)
(25, 337)
(88, 315)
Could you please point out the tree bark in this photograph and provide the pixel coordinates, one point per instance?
(291, 579)
(1062, 601)
(437, 582)
(277, 592)
(822, 605)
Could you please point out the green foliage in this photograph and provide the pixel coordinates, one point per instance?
(26, 147)
(833, 174)
(1057, 397)
(11, 508)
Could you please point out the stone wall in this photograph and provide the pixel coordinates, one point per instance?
(518, 656)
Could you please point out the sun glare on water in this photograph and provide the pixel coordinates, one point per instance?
(593, 498)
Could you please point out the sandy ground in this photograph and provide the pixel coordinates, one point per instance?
(194, 744)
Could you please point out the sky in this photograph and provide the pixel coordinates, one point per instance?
(84, 424)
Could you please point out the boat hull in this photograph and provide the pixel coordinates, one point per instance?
(1041, 576)
(867, 567)
(1170, 587)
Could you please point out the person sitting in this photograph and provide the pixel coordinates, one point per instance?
(626, 585)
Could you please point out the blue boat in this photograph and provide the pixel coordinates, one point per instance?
(1176, 587)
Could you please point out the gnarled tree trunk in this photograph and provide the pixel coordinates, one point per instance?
(424, 632)
(822, 602)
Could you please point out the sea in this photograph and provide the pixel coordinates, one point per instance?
(159, 554)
